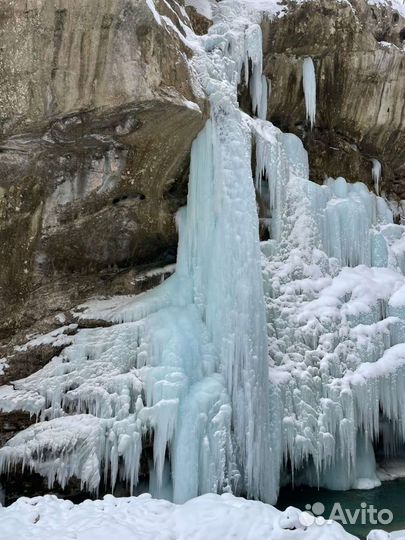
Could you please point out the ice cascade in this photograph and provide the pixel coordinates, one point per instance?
(334, 287)
(376, 175)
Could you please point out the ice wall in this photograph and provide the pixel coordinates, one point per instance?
(333, 282)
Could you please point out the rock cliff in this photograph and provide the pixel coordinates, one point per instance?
(98, 110)
(359, 60)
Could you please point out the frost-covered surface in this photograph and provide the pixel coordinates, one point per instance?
(335, 333)
(249, 359)
(399, 5)
(209, 517)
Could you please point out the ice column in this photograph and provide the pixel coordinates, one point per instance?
(309, 85)
(220, 251)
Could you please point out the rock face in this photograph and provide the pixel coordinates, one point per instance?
(98, 110)
(360, 71)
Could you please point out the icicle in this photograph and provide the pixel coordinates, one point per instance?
(376, 175)
(309, 85)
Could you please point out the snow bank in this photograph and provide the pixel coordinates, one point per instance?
(208, 517)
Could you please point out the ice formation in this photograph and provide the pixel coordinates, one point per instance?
(309, 85)
(376, 175)
(335, 333)
(189, 361)
(250, 360)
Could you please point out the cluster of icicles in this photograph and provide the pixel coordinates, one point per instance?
(186, 365)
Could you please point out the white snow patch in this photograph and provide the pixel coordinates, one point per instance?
(56, 338)
(271, 8)
(208, 517)
(3, 365)
(379, 534)
(60, 318)
(192, 105)
(398, 5)
(204, 7)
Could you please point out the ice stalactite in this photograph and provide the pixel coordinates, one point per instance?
(376, 175)
(258, 85)
(309, 86)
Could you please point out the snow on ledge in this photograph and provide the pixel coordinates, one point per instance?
(398, 5)
(57, 338)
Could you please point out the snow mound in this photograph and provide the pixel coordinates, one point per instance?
(208, 517)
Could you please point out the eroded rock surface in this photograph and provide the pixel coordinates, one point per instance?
(98, 110)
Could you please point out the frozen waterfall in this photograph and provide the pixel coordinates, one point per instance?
(333, 281)
(189, 361)
(252, 359)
